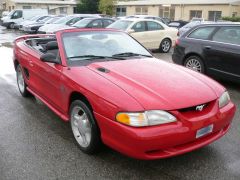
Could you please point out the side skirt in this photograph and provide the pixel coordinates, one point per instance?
(62, 116)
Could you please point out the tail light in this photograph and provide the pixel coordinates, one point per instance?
(176, 42)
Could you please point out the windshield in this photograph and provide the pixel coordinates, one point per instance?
(80, 46)
(121, 24)
(63, 20)
(11, 13)
(82, 23)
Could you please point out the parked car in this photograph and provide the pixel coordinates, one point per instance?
(33, 28)
(90, 23)
(112, 90)
(191, 25)
(20, 15)
(148, 17)
(35, 19)
(177, 24)
(150, 33)
(62, 23)
(94, 23)
(213, 49)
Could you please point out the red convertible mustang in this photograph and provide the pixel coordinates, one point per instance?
(113, 91)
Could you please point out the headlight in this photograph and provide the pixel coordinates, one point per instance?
(224, 99)
(148, 118)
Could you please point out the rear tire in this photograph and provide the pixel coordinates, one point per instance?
(195, 63)
(84, 128)
(165, 46)
(21, 82)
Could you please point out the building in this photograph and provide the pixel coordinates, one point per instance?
(180, 9)
(53, 6)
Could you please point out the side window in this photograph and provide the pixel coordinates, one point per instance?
(139, 26)
(107, 22)
(95, 24)
(228, 35)
(153, 26)
(17, 14)
(202, 33)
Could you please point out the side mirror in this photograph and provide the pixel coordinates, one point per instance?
(130, 31)
(49, 57)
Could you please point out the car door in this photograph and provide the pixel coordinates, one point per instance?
(45, 80)
(155, 33)
(140, 33)
(223, 53)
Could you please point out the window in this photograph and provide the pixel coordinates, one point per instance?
(214, 15)
(107, 22)
(52, 11)
(167, 12)
(27, 7)
(234, 14)
(141, 10)
(121, 11)
(195, 14)
(63, 10)
(95, 24)
(152, 26)
(139, 27)
(228, 35)
(202, 33)
(17, 14)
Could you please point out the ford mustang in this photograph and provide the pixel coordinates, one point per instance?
(114, 92)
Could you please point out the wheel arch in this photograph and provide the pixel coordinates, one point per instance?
(192, 54)
(16, 63)
(75, 95)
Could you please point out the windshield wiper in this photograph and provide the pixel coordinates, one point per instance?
(130, 54)
(93, 57)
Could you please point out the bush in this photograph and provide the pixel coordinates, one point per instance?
(233, 19)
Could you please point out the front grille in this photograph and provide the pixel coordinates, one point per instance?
(195, 108)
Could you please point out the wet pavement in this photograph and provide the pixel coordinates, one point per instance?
(36, 144)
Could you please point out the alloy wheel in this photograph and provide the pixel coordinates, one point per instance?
(81, 126)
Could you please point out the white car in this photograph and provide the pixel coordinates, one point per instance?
(150, 33)
(34, 19)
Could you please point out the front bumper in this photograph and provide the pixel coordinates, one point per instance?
(166, 140)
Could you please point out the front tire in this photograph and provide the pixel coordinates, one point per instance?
(195, 63)
(10, 26)
(84, 128)
(21, 82)
(165, 46)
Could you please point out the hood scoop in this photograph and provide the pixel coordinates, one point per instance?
(102, 69)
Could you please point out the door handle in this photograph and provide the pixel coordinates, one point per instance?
(207, 47)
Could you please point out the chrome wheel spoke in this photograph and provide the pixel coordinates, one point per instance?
(194, 64)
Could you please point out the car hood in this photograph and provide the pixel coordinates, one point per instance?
(159, 85)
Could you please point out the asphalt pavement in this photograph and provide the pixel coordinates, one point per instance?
(37, 144)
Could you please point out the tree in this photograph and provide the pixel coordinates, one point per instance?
(107, 6)
(88, 6)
